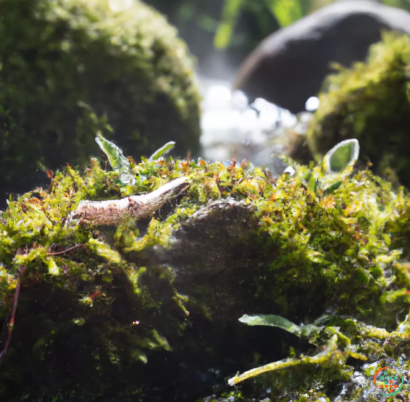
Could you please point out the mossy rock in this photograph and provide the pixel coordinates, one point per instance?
(72, 67)
(149, 309)
(370, 102)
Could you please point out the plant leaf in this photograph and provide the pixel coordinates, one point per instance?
(162, 151)
(272, 321)
(117, 159)
(286, 12)
(230, 15)
(341, 156)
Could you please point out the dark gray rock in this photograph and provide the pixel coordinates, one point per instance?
(290, 65)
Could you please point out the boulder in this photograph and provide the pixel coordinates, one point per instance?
(290, 65)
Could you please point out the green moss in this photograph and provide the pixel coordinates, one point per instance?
(111, 311)
(370, 102)
(72, 67)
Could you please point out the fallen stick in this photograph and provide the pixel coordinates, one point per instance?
(110, 213)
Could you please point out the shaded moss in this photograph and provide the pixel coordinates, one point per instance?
(370, 102)
(72, 67)
(136, 309)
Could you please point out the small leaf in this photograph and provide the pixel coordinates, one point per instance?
(332, 188)
(272, 321)
(162, 151)
(114, 154)
(117, 159)
(341, 156)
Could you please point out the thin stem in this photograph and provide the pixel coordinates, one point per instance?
(13, 312)
(67, 250)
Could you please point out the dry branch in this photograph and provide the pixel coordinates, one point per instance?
(101, 213)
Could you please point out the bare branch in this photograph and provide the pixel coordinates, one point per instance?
(108, 213)
(67, 250)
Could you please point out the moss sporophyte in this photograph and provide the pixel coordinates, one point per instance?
(121, 276)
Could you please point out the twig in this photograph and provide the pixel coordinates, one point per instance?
(67, 249)
(110, 213)
(13, 312)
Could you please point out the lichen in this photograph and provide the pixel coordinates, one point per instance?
(370, 102)
(111, 311)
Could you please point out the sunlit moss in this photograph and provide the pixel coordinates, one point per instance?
(300, 246)
(370, 102)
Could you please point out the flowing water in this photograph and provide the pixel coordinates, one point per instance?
(232, 127)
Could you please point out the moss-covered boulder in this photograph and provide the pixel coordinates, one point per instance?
(72, 67)
(370, 102)
(129, 283)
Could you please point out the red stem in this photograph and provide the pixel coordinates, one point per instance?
(67, 250)
(13, 312)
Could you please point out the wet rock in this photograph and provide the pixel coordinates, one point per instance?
(290, 65)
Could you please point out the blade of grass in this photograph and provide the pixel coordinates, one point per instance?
(230, 14)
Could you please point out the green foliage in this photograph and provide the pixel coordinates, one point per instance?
(370, 102)
(71, 68)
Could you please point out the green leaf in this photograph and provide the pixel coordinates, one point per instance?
(341, 156)
(332, 188)
(286, 11)
(162, 151)
(272, 321)
(230, 15)
(117, 159)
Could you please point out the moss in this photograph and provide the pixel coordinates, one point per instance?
(114, 311)
(370, 102)
(72, 67)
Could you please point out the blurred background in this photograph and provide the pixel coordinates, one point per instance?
(221, 34)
